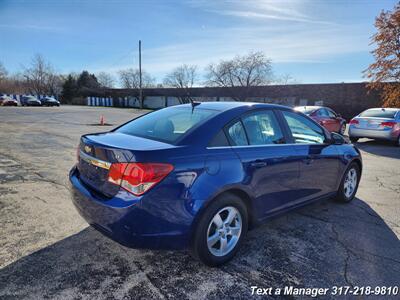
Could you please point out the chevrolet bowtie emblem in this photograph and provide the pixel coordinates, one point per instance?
(88, 149)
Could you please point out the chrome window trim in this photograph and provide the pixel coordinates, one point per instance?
(94, 161)
(267, 145)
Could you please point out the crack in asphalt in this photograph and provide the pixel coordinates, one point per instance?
(383, 185)
(346, 262)
(375, 216)
(339, 241)
(42, 178)
(139, 265)
(356, 252)
(25, 176)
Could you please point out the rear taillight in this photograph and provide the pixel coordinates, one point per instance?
(388, 124)
(138, 178)
(354, 121)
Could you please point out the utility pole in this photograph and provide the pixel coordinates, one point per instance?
(140, 75)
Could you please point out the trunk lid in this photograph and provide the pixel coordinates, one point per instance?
(372, 123)
(98, 151)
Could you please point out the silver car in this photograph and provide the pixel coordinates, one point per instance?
(376, 123)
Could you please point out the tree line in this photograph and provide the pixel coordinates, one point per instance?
(40, 77)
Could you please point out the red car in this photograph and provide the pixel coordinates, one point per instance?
(325, 116)
(7, 101)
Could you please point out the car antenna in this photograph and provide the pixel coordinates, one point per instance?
(193, 103)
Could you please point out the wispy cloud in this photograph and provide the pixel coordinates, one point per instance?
(32, 27)
(292, 45)
(264, 15)
(261, 9)
(282, 30)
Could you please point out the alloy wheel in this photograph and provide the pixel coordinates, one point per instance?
(224, 231)
(350, 182)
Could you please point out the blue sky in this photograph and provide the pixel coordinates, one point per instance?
(313, 41)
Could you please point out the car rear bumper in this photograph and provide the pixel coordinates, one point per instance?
(123, 219)
(372, 133)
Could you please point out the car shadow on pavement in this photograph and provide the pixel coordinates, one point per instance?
(321, 245)
(381, 148)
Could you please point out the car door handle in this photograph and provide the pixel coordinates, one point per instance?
(258, 164)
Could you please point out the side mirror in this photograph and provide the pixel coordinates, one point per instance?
(338, 115)
(337, 139)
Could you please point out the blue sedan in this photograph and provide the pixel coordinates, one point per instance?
(198, 176)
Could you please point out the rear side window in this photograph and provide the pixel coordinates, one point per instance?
(219, 140)
(237, 134)
(323, 112)
(379, 113)
(262, 128)
(303, 130)
(168, 124)
(331, 113)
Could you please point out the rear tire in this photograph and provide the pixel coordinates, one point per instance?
(349, 184)
(220, 230)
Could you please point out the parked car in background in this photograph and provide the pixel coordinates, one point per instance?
(2, 98)
(325, 116)
(199, 176)
(7, 101)
(50, 101)
(30, 101)
(376, 123)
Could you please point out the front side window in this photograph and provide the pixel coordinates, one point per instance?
(262, 128)
(168, 124)
(303, 130)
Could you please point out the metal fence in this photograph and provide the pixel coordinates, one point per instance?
(155, 102)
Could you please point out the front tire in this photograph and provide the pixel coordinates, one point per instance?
(349, 184)
(220, 230)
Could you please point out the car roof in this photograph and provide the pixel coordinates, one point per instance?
(310, 106)
(228, 105)
(384, 108)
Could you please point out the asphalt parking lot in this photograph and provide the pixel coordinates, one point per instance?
(48, 251)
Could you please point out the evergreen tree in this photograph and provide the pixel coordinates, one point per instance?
(87, 80)
(70, 89)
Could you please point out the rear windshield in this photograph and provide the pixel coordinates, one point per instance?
(168, 124)
(306, 109)
(379, 113)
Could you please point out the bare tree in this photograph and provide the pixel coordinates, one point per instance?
(253, 69)
(182, 77)
(41, 78)
(3, 72)
(106, 80)
(129, 79)
(286, 79)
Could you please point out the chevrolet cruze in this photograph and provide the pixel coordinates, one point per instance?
(198, 176)
(376, 123)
